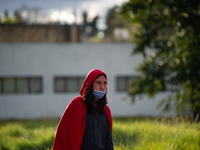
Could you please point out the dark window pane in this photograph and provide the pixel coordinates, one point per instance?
(72, 85)
(8, 85)
(22, 85)
(80, 83)
(35, 85)
(123, 82)
(59, 84)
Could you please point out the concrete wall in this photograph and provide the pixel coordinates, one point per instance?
(49, 60)
(39, 33)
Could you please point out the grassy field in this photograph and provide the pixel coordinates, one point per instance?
(128, 134)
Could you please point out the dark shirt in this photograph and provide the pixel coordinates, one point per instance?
(97, 134)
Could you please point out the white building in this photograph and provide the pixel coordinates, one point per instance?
(32, 75)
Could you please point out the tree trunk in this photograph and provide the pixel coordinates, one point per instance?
(196, 112)
(196, 115)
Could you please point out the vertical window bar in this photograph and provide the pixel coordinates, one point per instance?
(41, 85)
(15, 85)
(127, 81)
(54, 84)
(65, 85)
(1, 85)
(77, 83)
(29, 85)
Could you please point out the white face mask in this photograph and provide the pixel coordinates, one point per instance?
(99, 94)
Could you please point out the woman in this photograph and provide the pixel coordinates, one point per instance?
(86, 123)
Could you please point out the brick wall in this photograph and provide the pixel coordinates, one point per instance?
(39, 33)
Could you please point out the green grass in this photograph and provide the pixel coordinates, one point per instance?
(27, 134)
(156, 135)
(128, 134)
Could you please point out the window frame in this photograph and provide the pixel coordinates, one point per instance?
(127, 79)
(28, 79)
(78, 79)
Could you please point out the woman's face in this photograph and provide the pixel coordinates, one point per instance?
(100, 83)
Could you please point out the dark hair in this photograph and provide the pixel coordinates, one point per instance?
(90, 101)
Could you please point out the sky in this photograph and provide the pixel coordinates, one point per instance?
(60, 10)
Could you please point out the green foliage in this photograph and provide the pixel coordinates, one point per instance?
(6, 19)
(16, 19)
(116, 20)
(171, 29)
(128, 134)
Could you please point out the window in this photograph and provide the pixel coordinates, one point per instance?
(20, 85)
(123, 81)
(68, 84)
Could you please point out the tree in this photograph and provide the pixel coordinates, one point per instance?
(112, 21)
(171, 29)
(6, 19)
(115, 20)
(17, 17)
(85, 18)
(94, 25)
(89, 28)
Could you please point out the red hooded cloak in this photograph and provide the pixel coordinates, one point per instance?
(70, 131)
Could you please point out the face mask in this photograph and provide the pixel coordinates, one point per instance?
(99, 94)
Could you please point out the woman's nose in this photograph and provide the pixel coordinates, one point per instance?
(102, 86)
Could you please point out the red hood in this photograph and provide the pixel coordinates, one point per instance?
(91, 76)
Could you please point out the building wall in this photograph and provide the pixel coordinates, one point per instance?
(49, 60)
(38, 33)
